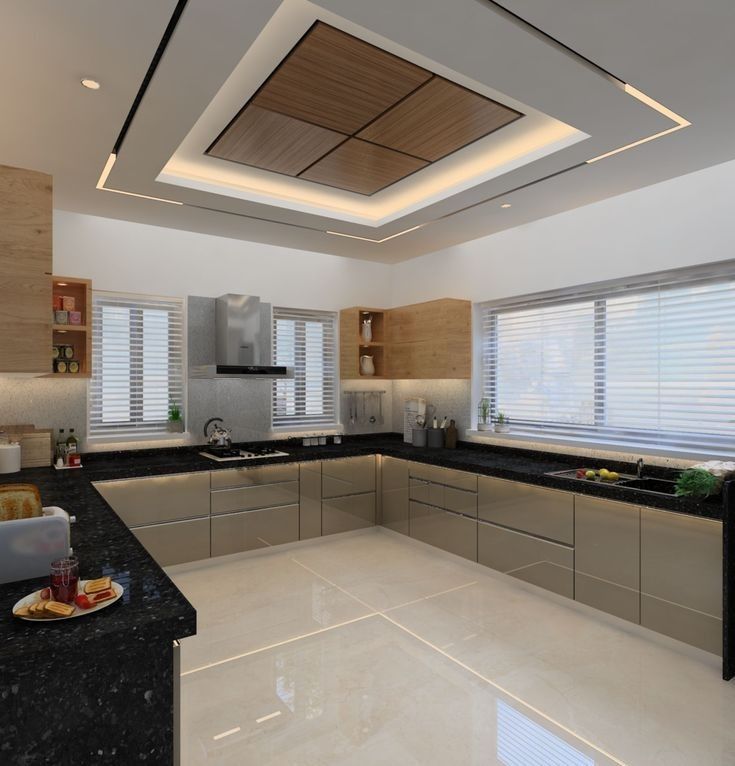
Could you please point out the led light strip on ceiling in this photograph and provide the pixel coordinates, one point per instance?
(106, 172)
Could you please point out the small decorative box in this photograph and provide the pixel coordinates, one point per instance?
(67, 303)
(61, 366)
(61, 317)
(57, 304)
(75, 317)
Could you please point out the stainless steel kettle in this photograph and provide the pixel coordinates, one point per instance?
(219, 436)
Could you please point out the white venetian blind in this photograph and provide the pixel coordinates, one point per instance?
(306, 341)
(137, 363)
(649, 361)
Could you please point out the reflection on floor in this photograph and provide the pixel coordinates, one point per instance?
(373, 649)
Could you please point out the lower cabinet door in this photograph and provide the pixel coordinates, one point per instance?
(541, 562)
(449, 531)
(344, 514)
(607, 550)
(176, 542)
(394, 482)
(681, 577)
(310, 499)
(248, 530)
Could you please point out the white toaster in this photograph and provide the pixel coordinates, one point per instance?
(28, 546)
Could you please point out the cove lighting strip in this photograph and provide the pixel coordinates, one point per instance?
(377, 241)
(106, 172)
(653, 104)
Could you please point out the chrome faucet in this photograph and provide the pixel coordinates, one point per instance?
(639, 468)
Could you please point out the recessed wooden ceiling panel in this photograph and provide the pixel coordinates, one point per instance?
(337, 81)
(274, 141)
(437, 119)
(341, 112)
(362, 167)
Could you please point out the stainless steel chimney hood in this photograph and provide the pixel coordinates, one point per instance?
(230, 336)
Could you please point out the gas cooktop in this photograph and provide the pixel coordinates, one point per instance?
(223, 454)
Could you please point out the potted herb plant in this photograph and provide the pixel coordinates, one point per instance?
(483, 415)
(175, 420)
(502, 423)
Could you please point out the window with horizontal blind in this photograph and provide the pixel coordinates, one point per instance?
(648, 361)
(306, 341)
(137, 364)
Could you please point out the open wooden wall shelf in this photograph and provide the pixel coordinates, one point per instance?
(78, 336)
(431, 340)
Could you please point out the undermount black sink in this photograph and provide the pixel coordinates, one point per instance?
(659, 486)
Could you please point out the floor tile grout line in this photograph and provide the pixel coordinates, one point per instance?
(504, 691)
(374, 608)
(286, 641)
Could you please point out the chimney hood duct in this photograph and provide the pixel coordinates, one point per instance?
(230, 336)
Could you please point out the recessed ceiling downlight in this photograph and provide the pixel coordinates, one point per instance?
(90, 84)
(506, 205)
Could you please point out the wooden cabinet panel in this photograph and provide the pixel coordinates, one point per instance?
(681, 577)
(25, 270)
(607, 556)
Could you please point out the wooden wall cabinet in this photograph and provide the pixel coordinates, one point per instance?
(25, 271)
(431, 340)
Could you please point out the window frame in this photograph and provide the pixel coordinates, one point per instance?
(138, 430)
(596, 433)
(331, 373)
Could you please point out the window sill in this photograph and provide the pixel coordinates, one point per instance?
(625, 451)
(131, 441)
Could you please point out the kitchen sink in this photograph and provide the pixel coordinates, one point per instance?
(659, 486)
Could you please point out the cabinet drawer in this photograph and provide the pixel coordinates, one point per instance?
(460, 501)
(423, 491)
(442, 529)
(347, 513)
(535, 510)
(440, 475)
(541, 562)
(310, 499)
(348, 476)
(249, 530)
(248, 477)
(259, 496)
(154, 499)
(176, 542)
(607, 550)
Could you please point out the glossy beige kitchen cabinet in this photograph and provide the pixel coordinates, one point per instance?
(176, 542)
(348, 476)
(25, 271)
(681, 577)
(449, 531)
(607, 556)
(541, 562)
(345, 514)
(394, 491)
(231, 478)
(527, 508)
(444, 488)
(310, 499)
(249, 530)
(155, 499)
(255, 497)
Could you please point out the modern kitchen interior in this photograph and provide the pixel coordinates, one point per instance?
(367, 391)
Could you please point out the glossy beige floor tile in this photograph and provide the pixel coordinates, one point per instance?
(385, 574)
(251, 602)
(366, 693)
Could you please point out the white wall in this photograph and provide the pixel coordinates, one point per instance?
(684, 221)
(137, 258)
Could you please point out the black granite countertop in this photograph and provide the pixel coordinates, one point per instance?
(153, 603)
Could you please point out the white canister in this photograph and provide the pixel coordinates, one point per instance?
(9, 458)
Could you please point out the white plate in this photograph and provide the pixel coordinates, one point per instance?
(34, 597)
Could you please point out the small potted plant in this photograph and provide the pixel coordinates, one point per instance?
(175, 422)
(502, 423)
(483, 415)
